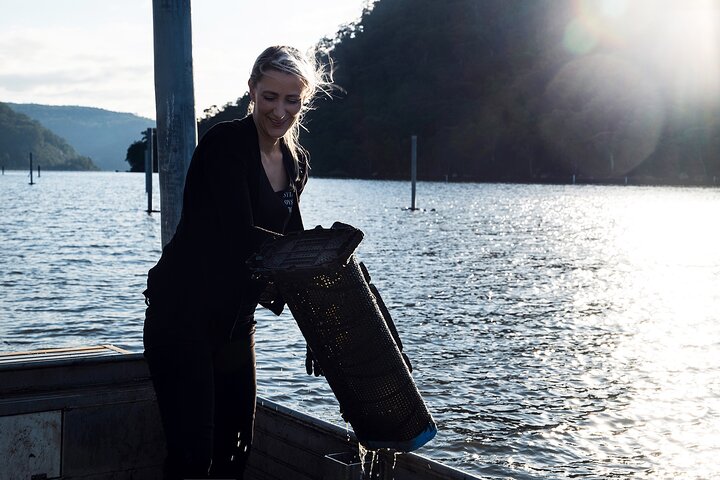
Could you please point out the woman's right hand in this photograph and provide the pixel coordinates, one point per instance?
(312, 367)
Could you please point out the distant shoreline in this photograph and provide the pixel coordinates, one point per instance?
(557, 180)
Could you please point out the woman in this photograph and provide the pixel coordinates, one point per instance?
(244, 181)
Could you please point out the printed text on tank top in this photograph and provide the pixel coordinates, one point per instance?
(287, 198)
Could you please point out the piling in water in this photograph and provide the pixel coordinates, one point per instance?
(31, 170)
(174, 104)
(149, 169)
(413, 169)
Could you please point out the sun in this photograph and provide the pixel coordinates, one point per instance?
(677, 41)
(684, 41)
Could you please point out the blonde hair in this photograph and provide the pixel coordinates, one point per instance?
(315, 78)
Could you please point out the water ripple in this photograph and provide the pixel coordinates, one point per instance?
(556, 331)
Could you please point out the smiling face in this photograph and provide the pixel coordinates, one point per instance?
(278, 98)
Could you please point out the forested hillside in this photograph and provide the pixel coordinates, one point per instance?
(20, 135)
(99, 134)
(507, 90)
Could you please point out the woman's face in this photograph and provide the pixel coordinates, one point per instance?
(278, 98)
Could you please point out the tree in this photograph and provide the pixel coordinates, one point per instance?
(227, 113)
(494, 94)
(136, 154)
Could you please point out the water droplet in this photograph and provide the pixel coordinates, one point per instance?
(362, 453)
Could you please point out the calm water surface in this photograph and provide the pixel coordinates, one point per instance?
(556, 331)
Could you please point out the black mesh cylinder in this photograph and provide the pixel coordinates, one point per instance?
(322, 283)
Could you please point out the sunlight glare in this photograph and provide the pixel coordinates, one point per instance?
(676, 41)
(681, 234)
(687, 48)
(666, 295)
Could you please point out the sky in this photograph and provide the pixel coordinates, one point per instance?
(99, 53)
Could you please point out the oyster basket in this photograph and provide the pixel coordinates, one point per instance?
(331, 298)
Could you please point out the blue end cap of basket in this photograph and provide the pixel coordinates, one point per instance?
(408, 445)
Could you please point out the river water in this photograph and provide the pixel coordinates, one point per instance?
(556, 331)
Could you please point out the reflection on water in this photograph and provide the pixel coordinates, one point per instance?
(556, 331)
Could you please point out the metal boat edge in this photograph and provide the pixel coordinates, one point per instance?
(90, 413)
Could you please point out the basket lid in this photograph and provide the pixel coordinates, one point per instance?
(308, 250)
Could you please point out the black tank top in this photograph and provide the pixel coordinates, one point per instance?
(272, 209)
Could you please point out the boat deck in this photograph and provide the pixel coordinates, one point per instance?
(60, 354)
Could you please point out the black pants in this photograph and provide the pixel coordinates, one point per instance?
(205, 383)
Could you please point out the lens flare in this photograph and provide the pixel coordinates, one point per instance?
(677, 42)
(605, 116)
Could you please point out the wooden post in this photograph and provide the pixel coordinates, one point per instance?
(38, 171)
(149, 168)
(413, 168)
(31, 171)
(174, 105)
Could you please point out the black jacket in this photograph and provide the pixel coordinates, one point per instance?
(204, 263)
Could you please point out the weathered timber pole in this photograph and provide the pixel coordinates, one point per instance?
(149, 168)
(31, 170)
(413, 170)
(174, 105)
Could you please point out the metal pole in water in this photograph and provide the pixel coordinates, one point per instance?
(149, 168)
(31, 171)
(174, 105)
(413, 168)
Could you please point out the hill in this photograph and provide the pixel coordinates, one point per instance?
(510, 90)
(21, 135)
(99, 134)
